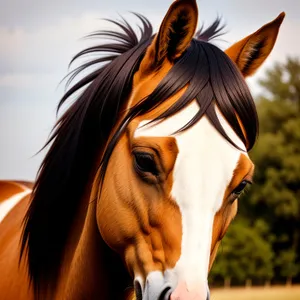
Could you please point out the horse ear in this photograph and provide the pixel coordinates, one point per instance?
(252, 51)
(174, 36)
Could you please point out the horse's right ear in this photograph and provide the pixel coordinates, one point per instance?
(174, 36)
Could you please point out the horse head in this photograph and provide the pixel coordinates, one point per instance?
(173, 179)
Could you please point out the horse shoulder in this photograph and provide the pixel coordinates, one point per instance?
(14, 282)
(11, 192)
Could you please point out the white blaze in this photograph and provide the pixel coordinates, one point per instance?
(203, 169)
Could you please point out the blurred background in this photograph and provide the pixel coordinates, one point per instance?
(260, 255)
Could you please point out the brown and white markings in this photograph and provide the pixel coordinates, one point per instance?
(123, 208)
(11, 193)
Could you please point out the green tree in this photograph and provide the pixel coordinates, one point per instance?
(244, 254)
(282, 82)
(275, 197)
(264, 241)
(287, 264)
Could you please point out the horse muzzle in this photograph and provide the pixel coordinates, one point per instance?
(181, 293)
(159, 287)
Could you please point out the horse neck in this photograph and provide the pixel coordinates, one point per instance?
(91, 269)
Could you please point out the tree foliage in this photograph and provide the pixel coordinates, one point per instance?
(244, 254)
(264, 241)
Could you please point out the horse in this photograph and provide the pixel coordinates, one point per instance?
(144, 168)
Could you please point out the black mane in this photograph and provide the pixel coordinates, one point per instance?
(82, 132)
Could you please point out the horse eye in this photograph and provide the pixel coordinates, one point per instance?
(238, 190)
(144, 162)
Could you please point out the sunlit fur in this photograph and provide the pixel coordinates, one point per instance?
(96, 222)
(11, 192)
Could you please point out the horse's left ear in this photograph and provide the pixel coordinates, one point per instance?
(174, 36)
(251, 52)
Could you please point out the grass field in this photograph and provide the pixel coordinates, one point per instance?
(254, 293)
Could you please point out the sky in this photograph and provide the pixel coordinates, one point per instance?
(38, 38)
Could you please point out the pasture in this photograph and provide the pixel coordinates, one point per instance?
(257, 293)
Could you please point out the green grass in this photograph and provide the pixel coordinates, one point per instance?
(257, 293)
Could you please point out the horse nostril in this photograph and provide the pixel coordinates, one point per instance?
(166, 293)
(138, 290)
